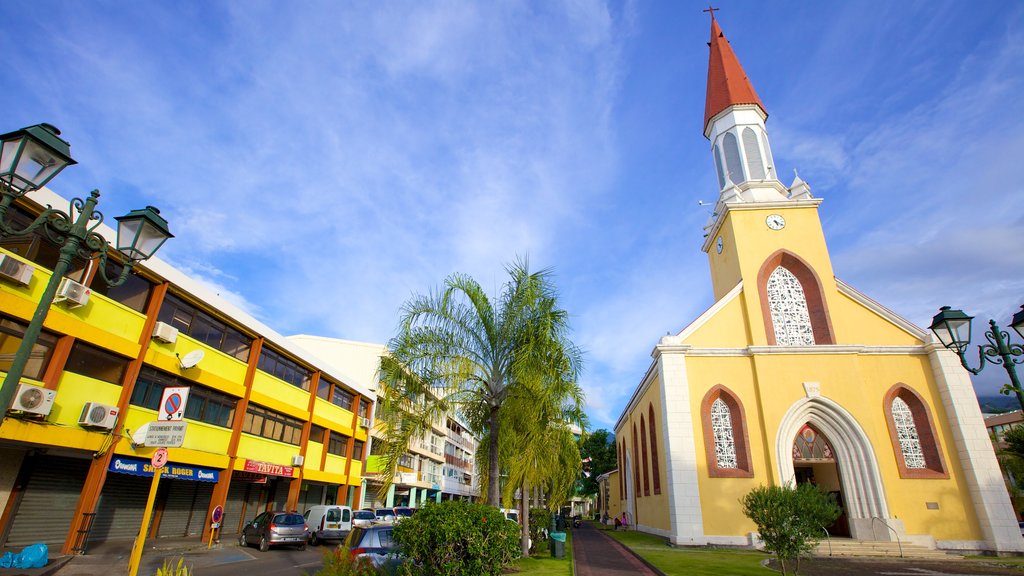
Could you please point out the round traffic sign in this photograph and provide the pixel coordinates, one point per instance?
(159, 458)
(218, 513)
(172, 405)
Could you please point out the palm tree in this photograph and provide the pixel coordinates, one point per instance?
(544, 450)
(456, 350)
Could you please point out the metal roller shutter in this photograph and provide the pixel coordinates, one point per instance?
(233, 508)
(119, 514)
(48, 503)
(185, 508)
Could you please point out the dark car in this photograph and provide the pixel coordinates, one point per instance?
(274, 528)
(373, 544)
(402, 512)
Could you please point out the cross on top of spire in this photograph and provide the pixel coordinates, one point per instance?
(711, 10)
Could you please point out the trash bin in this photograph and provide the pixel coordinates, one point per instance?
(558, 545)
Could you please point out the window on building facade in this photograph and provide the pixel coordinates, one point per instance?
(912, 434)
(341, 397)
(906, 431)
(721, 423)
(278, 366)
(338, 444)
(11, 332)
(636, 463)
(37, 247)
(725, 435)
(204, 404)
(733, 165)
(753, 153)
(205, 328)
(718, 167)
(266, 423)
(656, 472)
(788, 306)
(316, 433)
(643, 450)
(134, 293)
(357, 450)
(93, 362)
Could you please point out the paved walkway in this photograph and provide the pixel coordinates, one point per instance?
(597, 554)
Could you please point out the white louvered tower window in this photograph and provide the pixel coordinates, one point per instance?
(718, 167)
(788, 307)
(768, 156)
(721, 425)
(755, 166)
(733, 165)
(906, 431)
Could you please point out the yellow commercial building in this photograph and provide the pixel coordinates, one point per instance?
(794, 376)
(268, 425)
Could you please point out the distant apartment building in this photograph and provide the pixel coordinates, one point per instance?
(997, 426)
(437, 465)
(268, 424)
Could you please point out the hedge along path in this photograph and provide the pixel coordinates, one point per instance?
(595, 554)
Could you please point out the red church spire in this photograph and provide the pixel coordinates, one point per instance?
(727, 82)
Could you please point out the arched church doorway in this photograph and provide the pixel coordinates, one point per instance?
(814, 462)
(855, 463)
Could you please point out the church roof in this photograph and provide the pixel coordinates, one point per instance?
(727, 82)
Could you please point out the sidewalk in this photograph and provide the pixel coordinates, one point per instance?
(111, 558)
(595, 554)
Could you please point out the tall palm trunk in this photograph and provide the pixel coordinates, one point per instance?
(524, 517)
(493, 479)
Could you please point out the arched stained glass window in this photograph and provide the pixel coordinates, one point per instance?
(788, 307)
(655, 470)
(753, 152)
(721, 424)
(732, 158)
(906, 431)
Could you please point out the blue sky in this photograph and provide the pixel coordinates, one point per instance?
(320, 162)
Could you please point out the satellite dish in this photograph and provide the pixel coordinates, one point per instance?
(190, 360)
(139, 436)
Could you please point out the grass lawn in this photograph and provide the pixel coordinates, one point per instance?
(543, 564)
(693, 561)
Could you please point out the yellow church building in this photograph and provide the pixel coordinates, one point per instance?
(793, 375)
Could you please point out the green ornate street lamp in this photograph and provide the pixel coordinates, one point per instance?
(29, 158)
(953, 328)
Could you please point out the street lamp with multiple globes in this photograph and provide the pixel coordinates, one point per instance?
(953, 329)
(29, 158)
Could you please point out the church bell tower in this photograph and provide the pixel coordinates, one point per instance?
(756, 217)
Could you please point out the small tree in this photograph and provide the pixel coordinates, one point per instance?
(540, 519)
(455, 537)
(790, 520)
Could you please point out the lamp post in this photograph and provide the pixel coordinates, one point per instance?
(953, 329)
(29, 158)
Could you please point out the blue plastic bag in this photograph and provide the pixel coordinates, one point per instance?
(32, 556)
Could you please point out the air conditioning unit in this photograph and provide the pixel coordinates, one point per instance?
(33, 399)
(164, 332)
(98, 415)
(15, 270)
(364, 422)
(298, 460)
(72, 293)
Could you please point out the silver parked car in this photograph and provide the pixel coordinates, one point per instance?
(274, 528)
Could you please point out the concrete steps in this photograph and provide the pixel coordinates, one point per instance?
(871, 549)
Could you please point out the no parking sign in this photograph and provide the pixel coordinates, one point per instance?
(172, 404)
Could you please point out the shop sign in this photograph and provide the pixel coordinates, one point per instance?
(267, 468)
(138, 467)
(249, 477)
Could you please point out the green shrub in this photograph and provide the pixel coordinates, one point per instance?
(540, 519)
(790, 520)
(455, 537)
(174, 570)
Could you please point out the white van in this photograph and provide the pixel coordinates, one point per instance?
(328, 522)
